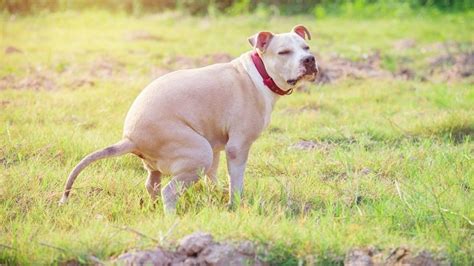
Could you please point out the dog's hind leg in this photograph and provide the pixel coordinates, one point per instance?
(153, 181)
(153, 184)
(192, 161)
(212, 173)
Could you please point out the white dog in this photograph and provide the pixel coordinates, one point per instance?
(181, 122)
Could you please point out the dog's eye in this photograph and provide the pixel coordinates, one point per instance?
(306, 48)
(284, 52)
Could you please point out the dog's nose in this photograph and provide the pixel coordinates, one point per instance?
(309, 60)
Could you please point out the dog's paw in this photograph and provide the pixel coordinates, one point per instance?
(169, 210)
(62, 201)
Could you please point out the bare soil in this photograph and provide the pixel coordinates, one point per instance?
(77, 76)
(336, 67)
(396, 257)
(453, 66)
(106, 67)
(36, 79)
(200, 249)
(196, 249)
(12, 50)
(310, 145)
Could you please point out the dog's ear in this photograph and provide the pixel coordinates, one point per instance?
(302, 31)
(261, 40)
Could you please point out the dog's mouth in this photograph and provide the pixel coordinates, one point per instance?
(308, 75)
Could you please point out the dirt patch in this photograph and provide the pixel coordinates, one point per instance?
(4, 103)
(141, 36)
(7, 82)
(398, 256)
(195, 249)
(88, 74)
(40, 78)
(453, 62)
(36, 79)
(81, 82)
(452, 67)
(404, 44)
(310, 145)
(405, 74)
(105, 67)
(337, 67)
(12, 50)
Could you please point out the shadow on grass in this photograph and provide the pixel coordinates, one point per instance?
(458, 134)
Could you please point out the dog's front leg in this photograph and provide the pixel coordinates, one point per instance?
(237, 154)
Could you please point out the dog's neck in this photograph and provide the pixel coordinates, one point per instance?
(269, 96)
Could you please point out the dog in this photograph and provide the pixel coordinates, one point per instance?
(181, 122)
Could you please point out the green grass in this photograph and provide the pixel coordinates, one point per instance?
(397, 171)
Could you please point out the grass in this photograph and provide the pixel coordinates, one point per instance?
(397, 167)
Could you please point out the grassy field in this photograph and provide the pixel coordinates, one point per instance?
(392, 163)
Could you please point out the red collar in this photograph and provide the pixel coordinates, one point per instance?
(267, 80)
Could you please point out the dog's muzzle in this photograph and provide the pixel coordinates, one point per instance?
(311, 70)
(310, 65)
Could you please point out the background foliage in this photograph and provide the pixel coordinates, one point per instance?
(234, 7)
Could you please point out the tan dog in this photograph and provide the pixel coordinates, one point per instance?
(181, 122)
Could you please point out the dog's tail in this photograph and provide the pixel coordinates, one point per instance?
(122, 147)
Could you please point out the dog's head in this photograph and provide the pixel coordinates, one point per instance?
(287, 56)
